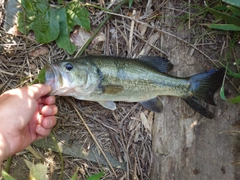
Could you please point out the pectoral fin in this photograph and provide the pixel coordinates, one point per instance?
(191, 101)
(112, 89)
(154, 105)
(108, 104)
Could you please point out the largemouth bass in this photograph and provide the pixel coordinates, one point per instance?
(106, 79)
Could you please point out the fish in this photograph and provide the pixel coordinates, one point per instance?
(106, 79)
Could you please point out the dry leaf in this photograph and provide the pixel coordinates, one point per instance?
(39, 51)
(14, 31)
(146, 123)
(100, 37)
(79, 37)
(142, 28)
(38, 171)
(34, 152)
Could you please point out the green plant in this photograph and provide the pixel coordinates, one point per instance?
(229, 13)
(53, 22)
(6, 176)
(97, 176)
(222, 94)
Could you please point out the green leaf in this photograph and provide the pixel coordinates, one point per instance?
(63, 40)
(231, 73)
(238, 61)
(39, 17)
(225, 27)
(222, 95)
(130, 3)
(234, 100)
(41, 75)
(226, 17)
(50, 23)
(38, 171)
(71, 15)
(96, 176)
(46, 26)
(77, 15)
(233, 2)
(6, 176)
(234, 10)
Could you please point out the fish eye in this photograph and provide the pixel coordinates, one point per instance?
(69, 66)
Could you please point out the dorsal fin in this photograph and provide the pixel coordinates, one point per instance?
(161, 64)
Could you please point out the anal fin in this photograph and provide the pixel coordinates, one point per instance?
(154, 105)
(192, 102)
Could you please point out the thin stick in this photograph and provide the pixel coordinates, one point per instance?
(131, 35)
(93, 137)
(80, 51)
(165, 32)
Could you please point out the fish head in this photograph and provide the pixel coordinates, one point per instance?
(67, 78)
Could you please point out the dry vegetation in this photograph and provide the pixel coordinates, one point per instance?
(125, 133)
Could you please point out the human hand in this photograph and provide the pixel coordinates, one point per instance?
(26, 115)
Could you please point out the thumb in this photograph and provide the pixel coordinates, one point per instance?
(38, 90)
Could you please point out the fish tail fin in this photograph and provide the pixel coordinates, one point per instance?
(203, 87)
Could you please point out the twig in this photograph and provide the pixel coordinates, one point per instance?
(93, 137)
(115, 145)
(165, 32)
(80, 52)
(131, 35)
(5, 72)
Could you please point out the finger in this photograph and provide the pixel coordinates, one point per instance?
(49, 100)
(42, 131)
(49, 122)
(49, 110)
(38, 90)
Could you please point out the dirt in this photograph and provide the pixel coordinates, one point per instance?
(185, 144)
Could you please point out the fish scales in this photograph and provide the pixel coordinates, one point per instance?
(139, 81)
(106, 79)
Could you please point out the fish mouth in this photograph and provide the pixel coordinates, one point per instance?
(51, 77)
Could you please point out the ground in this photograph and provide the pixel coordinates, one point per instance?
(175, 144)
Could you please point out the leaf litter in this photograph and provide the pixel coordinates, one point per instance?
(126, 133)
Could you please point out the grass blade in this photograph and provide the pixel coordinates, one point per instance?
(234, 100)
(222, 95)
(234, 10)
(225, 27)
(226, 17)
